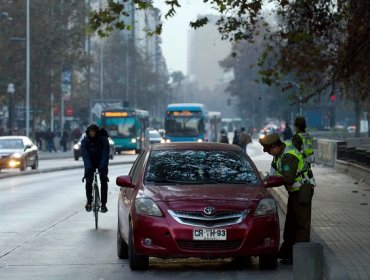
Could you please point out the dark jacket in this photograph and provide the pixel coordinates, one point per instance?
(95, 152)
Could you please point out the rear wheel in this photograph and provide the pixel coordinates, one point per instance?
(122, 247)
(136, 262)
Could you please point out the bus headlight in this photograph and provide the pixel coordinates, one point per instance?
(133, 140)
(168, 141)
(199, 140)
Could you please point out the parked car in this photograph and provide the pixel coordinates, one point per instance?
(152, 136)
(77, 148)
(204, 200)
(18, 152)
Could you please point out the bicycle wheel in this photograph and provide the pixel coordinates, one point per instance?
(96, 205)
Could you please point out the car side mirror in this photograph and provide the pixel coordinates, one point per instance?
(274, 181)
(124, 181)
(27, 147)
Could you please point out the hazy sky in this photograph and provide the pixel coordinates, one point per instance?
(175, 31)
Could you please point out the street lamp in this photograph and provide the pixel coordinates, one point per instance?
(28, 71)
(10, 90)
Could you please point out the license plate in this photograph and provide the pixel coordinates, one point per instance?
(209, 234)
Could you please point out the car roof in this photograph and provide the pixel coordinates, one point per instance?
(207, 146)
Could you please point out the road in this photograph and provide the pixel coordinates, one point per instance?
(45, 233)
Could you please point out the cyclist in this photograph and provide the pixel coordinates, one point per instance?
(95, 154)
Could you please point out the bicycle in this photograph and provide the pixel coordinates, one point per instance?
(96, 199)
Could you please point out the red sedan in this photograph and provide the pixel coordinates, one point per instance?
(203, 200)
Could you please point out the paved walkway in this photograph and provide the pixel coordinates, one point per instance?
(340, 221)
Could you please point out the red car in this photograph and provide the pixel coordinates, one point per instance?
(203, 200)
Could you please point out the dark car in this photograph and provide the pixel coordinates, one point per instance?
(204, 200)
(18, 152)
(77, 148)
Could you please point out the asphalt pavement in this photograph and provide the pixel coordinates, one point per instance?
(340, 216)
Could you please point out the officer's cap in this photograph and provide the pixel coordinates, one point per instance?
(269, 141)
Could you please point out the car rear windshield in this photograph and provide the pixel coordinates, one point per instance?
(200, 167)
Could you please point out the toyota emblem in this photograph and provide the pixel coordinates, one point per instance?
(209, 210)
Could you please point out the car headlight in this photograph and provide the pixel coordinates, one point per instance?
(16, 155)
(76, 147)
(199, 140)
(146, 206)
(133, 140)
(266, 207)
(163, 141)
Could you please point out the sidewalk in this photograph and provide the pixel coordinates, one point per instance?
(340, 221)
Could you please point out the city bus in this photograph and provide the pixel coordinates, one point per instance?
(186, 122)
(126, 127)
(215, 125)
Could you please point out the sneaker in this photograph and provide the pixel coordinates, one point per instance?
(104, 209)
(88, 207)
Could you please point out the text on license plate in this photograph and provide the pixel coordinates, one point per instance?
(209, 234)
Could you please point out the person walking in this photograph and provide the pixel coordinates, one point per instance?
(288, 163)
(224, 138)
(287, 133)
(236, 137)
(244, 139)
(95, 155)
(50, 141)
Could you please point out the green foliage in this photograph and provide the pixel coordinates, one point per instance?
(324, 44)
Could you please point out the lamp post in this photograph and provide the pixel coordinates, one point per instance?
(28, 71)
(10, 90)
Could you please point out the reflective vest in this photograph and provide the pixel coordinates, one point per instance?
(307, 161)
(307, 147)
(301, 170)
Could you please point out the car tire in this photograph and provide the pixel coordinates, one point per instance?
(111, 156)
(268, 262)
(122, 247)
(23, 166)
(75, 156)
(136, 262)
(35, 164)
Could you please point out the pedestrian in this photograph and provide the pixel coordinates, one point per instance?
(224, 138)
(287, 133)
(38, 136)
(95, 154)
(236, 137)
(288, 163)
(50, 141)
(244, 139)
(64, 140)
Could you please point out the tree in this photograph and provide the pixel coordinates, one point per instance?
(57, 40)
(323, 44)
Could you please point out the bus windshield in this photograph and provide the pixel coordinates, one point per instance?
(120, 127)
(184, 126)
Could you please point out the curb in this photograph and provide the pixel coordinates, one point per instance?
(333, 267)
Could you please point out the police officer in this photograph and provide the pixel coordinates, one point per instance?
(304, 143)
(288, 163)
